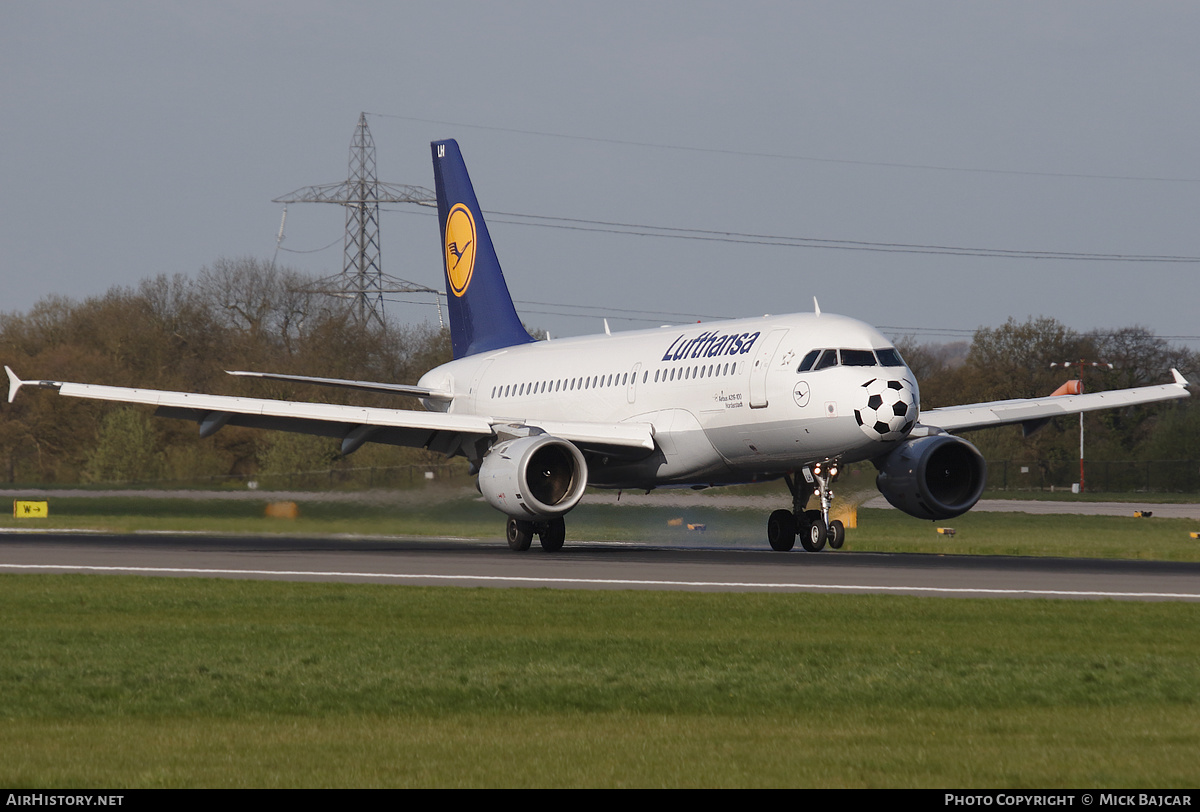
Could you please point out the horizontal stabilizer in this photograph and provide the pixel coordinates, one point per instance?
(342, 383)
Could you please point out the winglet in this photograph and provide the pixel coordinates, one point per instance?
(14, 383)
(1179, 379)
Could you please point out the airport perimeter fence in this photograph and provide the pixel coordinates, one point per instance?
(395, 477)
(1100, 476)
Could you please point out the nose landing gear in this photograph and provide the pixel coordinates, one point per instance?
(813, 527)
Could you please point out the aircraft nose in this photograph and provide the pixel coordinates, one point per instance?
(887, 408)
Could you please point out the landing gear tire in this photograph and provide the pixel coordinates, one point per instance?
(781, 530)
(520, 535)
(813, 537)
(837, 534)
(552, 535)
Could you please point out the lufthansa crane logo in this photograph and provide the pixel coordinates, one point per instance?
(460, 248)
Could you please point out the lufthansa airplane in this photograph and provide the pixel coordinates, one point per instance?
(793, 397)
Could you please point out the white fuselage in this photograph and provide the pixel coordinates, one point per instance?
(727, 400)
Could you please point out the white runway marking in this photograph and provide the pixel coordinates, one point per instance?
(608, 581)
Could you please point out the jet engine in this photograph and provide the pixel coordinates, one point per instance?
(534, 477)
(935, 477)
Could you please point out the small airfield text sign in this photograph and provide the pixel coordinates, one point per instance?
(30, 510)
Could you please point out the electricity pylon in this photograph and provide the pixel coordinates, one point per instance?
(362, 280)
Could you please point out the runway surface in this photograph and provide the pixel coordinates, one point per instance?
(470, 563)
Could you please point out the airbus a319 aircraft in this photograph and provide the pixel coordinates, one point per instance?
(792, 397)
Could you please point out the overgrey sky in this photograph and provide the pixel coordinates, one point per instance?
(146, 138)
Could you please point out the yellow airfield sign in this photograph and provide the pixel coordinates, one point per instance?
(30, 510)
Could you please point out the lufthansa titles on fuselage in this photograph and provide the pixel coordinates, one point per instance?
(710, 344)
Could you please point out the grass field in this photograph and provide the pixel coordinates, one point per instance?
(124, 681)
(109, 681)
(453, 514)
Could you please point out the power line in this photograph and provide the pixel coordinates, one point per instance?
(784, 241)
(312, 251)
(859, 245)
(661, 317)
(792, 157)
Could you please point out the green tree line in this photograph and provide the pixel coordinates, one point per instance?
(182, 333)
(1025, 359)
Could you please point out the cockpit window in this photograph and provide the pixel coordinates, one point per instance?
(858, 358)
(823, 359)
(890, 357)
(828, 359)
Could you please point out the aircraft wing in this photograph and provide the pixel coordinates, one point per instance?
(353, 425)
(1032, 412)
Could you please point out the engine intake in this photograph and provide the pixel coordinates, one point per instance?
(936, 477)
(536, 477)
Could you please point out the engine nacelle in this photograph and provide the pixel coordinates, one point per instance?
(935, 477)
(536, 477)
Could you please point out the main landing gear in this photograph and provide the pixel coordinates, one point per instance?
(551, 534)
(813, 527)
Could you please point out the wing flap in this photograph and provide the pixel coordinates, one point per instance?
(601, 436)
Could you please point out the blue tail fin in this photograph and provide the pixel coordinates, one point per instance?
(482, 316)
